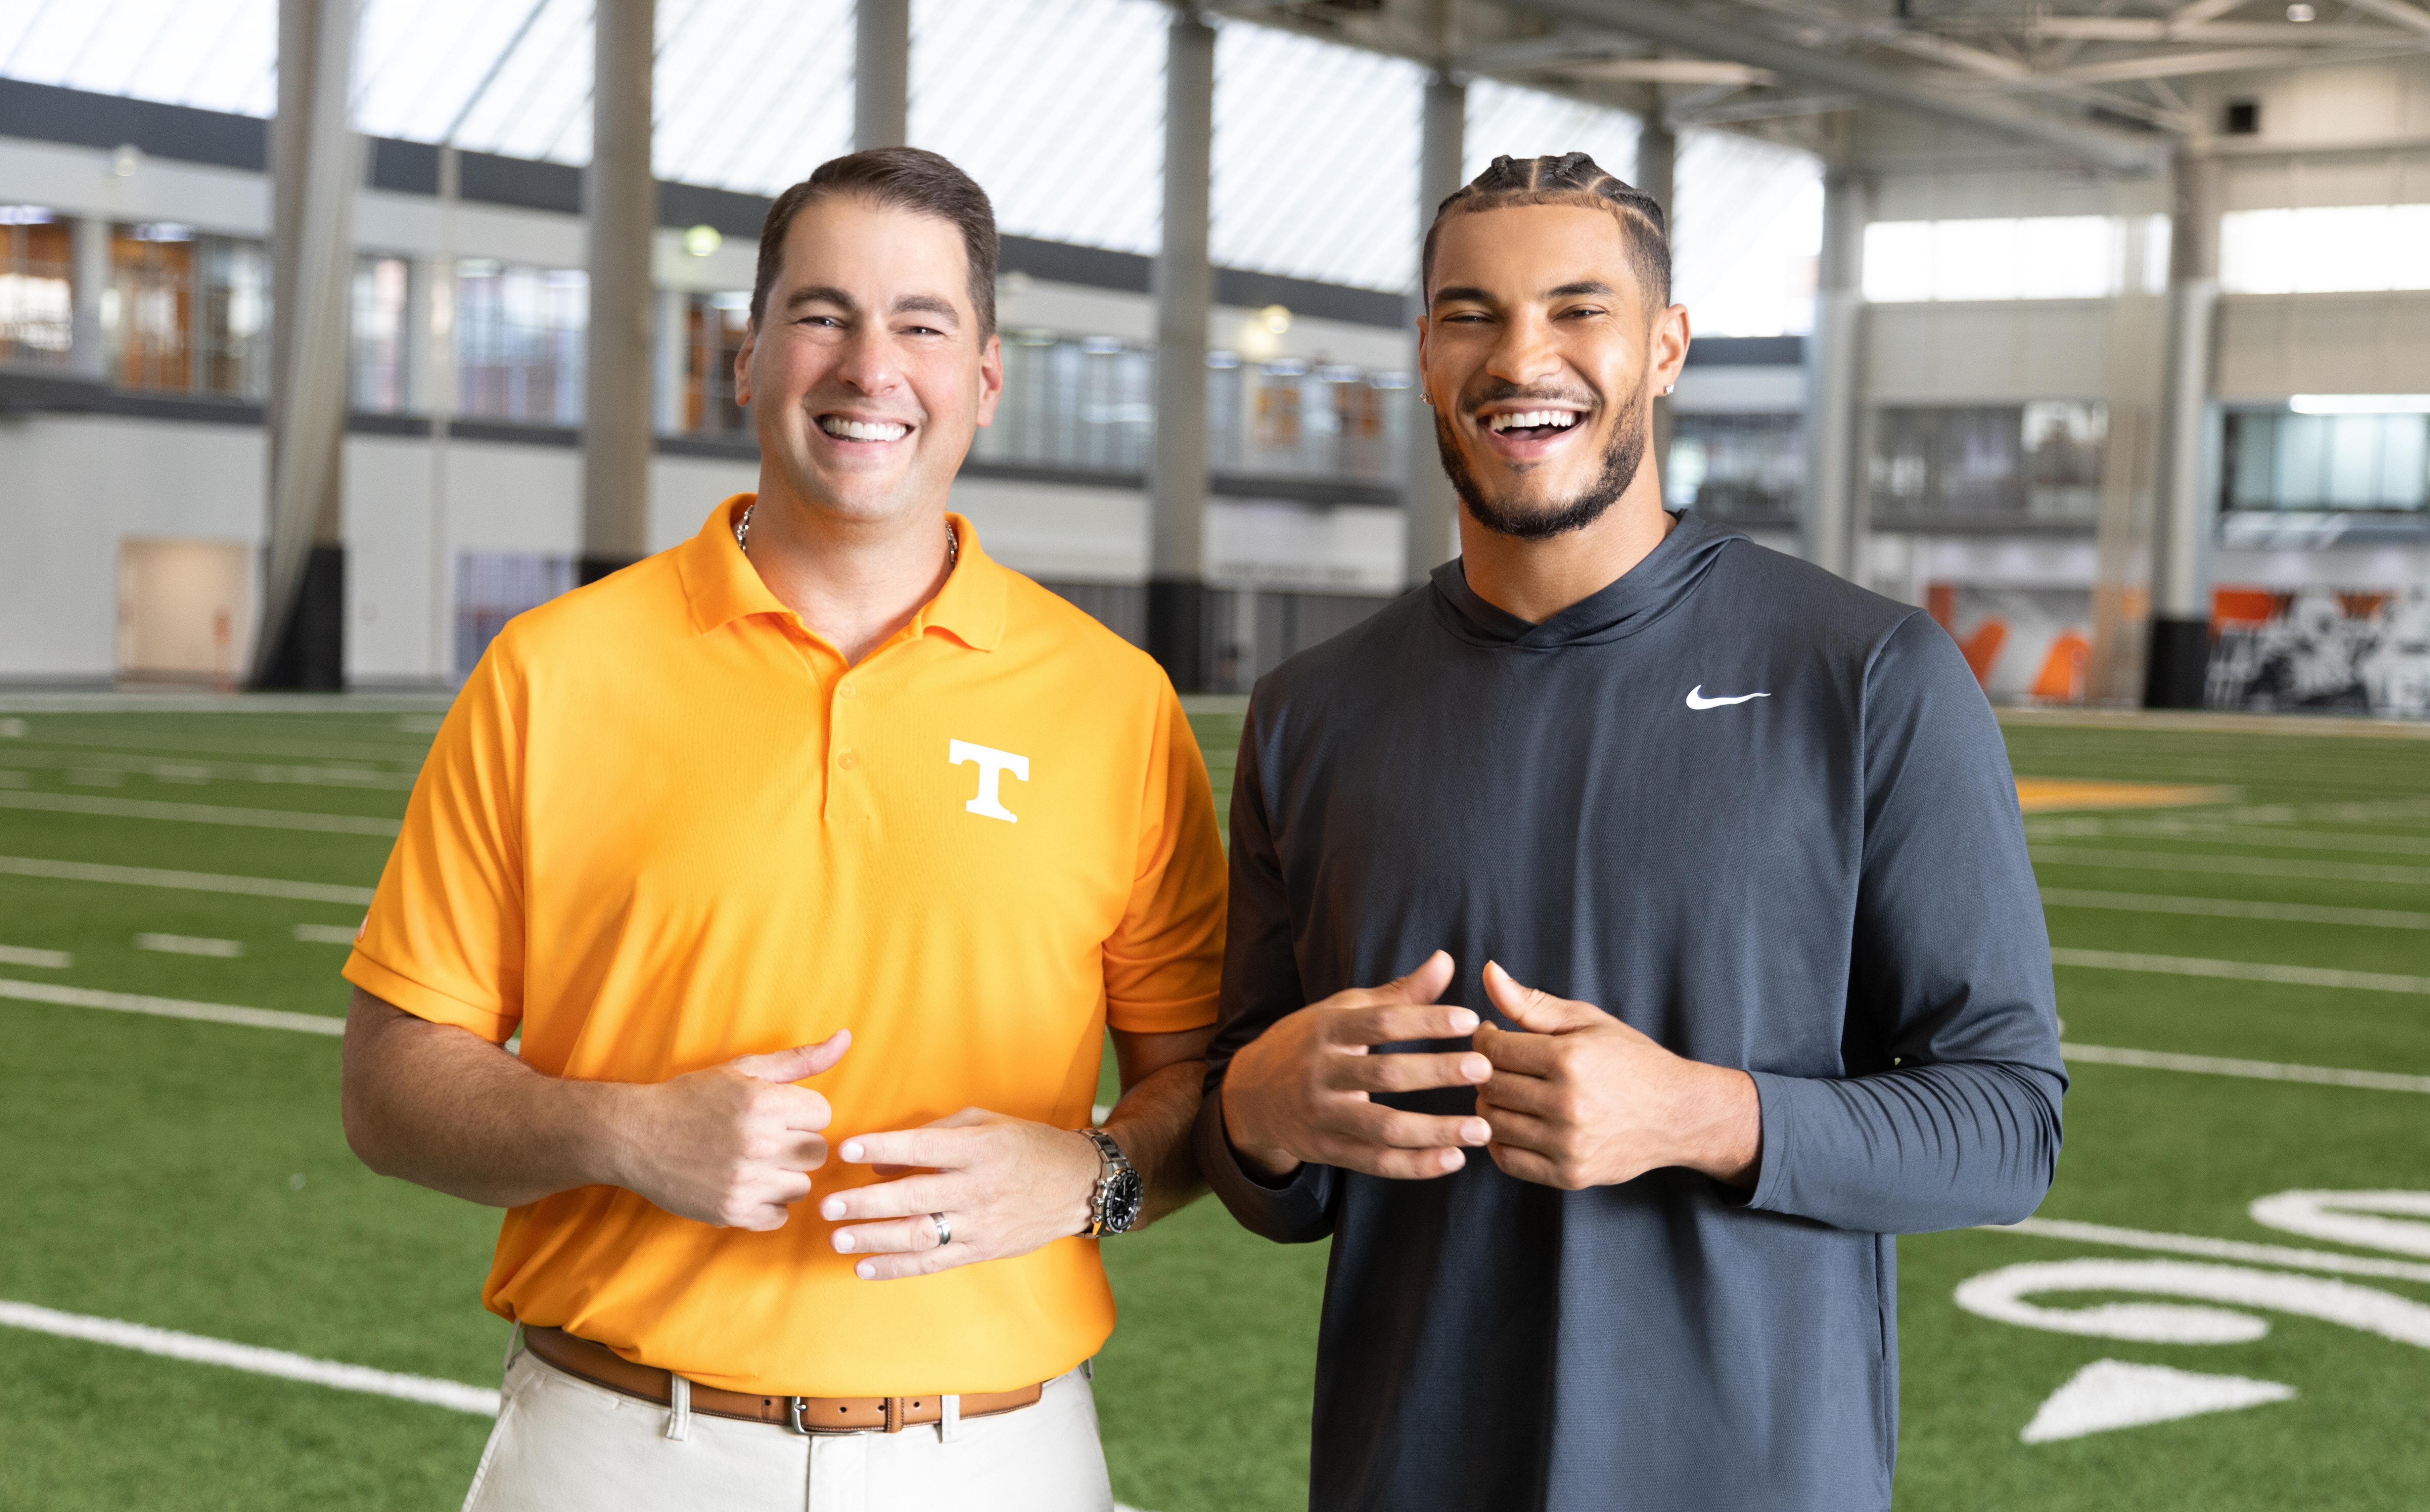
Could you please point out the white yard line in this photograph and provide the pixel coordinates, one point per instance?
(2136, 1238)
(49, 960)
(455, 1395)
(2301, 913)
(2214, 833)
(2263, 866)
(2261, 1071)
(2117, 961)
(324, 934)
(145, 876)
(62, 803)
(80, 997)
(169, 769)
(191, 945)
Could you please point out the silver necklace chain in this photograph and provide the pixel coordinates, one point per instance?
(742, 537)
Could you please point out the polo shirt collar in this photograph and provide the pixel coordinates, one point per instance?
(722, 586)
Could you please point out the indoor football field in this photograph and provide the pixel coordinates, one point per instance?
(2224, 1303)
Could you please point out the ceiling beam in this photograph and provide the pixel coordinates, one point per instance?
(2411, 17)
(2233, 33)
(1656, 21)
(2198, 11)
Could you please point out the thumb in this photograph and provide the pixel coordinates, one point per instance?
(797, 1064)
(1427, 983)
(1533, 1008)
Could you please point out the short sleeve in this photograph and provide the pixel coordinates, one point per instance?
(444, 938)
(1165, 959)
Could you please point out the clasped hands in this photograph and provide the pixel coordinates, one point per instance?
(734, 1145)
(1573, 1098)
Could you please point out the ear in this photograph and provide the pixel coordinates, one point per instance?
(1668, 352)
(990, 378)
(743, 364)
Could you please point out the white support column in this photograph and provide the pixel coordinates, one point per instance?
(316, 164)
(2177, 662)
(421, 356)
(1432, 507)
(881, 73)
(89, 347)
(671, 351)
(620, 199)
(1833, 373)
(1177, 609)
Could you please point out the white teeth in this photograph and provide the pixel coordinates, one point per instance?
(1559, 419)
(862, 430)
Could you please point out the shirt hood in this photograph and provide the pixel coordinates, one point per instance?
(1629, 604)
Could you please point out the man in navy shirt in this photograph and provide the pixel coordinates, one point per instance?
(1697, 881)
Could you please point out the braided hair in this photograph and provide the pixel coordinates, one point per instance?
(1572, 178)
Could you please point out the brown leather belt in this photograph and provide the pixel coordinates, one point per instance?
(602, 1366)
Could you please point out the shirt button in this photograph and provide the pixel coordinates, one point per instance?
(846, 691)
(847, 761)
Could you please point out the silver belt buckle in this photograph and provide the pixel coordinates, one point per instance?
(793, 1416)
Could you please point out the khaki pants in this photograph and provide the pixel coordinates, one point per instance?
(565, 1445)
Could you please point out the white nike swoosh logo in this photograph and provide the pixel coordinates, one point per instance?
(1696, 698)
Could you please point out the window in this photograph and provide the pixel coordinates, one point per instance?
(519, 341)
(714, 326)
(2040, 461)
(492, 588)
(378, 336)
(1736, 466)
(187, 313)
(2325, 249)
(2274, 459)
(37, 299)
(2052, 257)
(1072, 402)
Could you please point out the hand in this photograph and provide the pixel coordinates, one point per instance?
(732, 1145)
(1005, 1186)
(1581, 1100)
(1302, 1090)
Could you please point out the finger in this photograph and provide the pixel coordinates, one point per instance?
(1427, 983)
(892, 1199)
(1399, 1165)
(804, 1152)
(803, 1108)
(1529, 1164)
(905, 1236)
(797, 1063)
(932, 1148)
(1533, 1008)
(1531, 1095)
(1371, 1124)
(1525, 1054)
(1406, 1072)
(1394, 1022)
(925, 1263)
(1525, 1130)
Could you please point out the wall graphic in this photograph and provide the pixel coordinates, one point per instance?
(2318, 648)
(2025, 645)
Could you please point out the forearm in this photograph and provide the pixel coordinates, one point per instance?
(1152, 1125)
(435, 1105)
(1910, 1151)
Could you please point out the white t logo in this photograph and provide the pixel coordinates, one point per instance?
(992, 764)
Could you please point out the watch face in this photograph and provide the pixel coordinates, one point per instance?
(1123, 1195)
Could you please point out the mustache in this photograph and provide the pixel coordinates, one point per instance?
(1499, 391)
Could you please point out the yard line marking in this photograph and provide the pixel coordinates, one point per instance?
(2263, 866)
(145, 876)
(2287, 837)
(166, 770)
(62, 803)
(324, 934)
(2136, 1238)
(2263, 1070)
(170, 1344)
(2116, 960)
(56, 960)
(2301, 913)
(82, 997)
(191, 945)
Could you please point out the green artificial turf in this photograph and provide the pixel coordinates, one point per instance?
(192, 1176)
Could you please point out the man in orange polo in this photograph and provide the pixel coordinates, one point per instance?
(820, 794)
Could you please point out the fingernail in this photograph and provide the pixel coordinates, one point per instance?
(1476, 1068)
(1462, 1021)
(852, 1150)
(832, 1207)
(843, 1241)
(1453, 1160)
(1477, 1132)
(865, 1270)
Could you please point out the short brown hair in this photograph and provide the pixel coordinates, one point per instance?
(1572, 178)
(902, 178)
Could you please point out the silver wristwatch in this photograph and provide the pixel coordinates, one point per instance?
(1114, 1205)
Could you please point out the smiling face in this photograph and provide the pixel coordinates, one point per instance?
(1540, 353)
(867, 373)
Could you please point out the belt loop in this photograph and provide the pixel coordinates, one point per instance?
(679, 1408)
(514, 1347)
(949, 1423)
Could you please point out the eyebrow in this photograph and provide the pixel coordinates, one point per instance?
(928, 305)
(1471, 294)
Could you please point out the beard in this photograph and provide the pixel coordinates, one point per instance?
(1621, 457)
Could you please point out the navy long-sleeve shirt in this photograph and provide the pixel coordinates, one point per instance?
(1825, 885)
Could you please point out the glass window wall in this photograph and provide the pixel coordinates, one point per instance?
(36, 296)
(519, 341)
(1748, 468)
(187, 313)
(2039, 462)
(378, 374)
(2358, 461)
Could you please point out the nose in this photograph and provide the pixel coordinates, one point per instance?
(1525, 354)
(869, 363)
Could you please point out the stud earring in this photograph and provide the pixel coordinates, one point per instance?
(1667, 388)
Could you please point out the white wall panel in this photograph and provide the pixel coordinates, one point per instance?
(1986, 353)
(2270, 346)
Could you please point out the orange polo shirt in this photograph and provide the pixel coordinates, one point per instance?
(665, 825)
